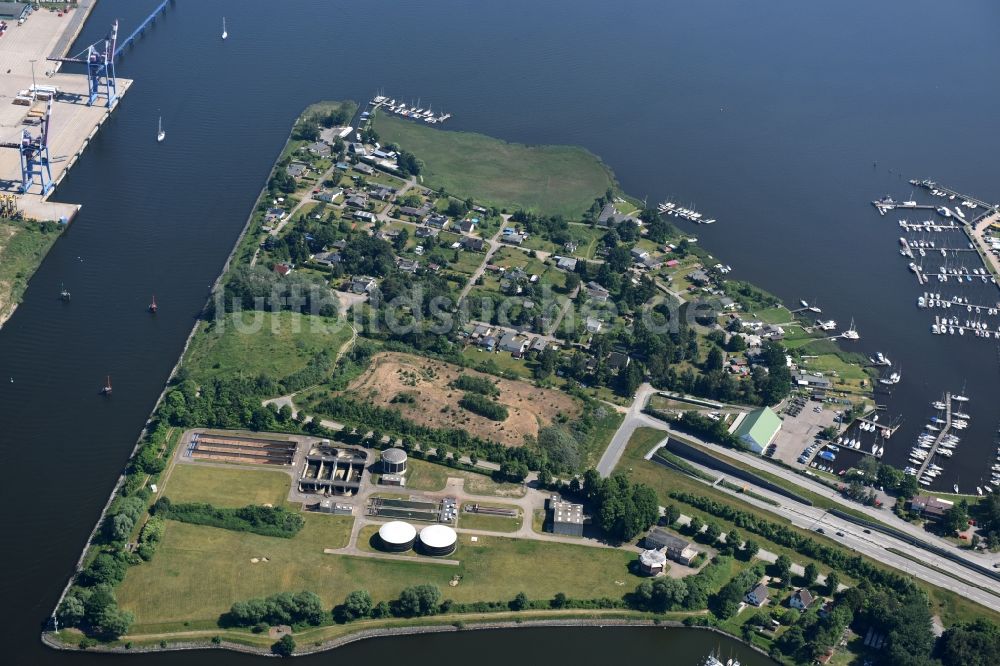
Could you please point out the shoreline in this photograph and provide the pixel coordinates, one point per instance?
(448, 624)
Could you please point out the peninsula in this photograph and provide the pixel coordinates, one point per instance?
(448, 382)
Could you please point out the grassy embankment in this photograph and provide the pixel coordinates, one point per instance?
(949, 605)
(198, 572)
(276, 344)
(23, 245)
(556, 180)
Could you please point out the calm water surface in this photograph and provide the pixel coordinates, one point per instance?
(769, 116)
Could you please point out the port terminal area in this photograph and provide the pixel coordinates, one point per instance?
(25, 47)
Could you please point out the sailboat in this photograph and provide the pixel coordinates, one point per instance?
(64, 292)
(851, 333)
(152, 305)
(160, 134)
(107, 387)
(224, 33)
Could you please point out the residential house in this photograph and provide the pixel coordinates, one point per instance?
(651, 262)
(566, 263)
(758, 596)
(437, 221)
(772, 332)
(362, 284)
(610, 216)
(357, 201)
(597, 293)
(426, 232)
(358, 149)
(617, 361)
(489, 343)
(467, 226)
(513, 239)
(638, 254)
(482, 330)
(327, 258)
(699, 277)
(383, 193)
(407, 265)
(328, 196)
(297, 169)
(319, 148)
(539, 345)
(812, 381)
(361, 167)
(593, 325)
(282, 269)
(802, 599)
(472, 243)
(274, 215)
(410, 211)
(364, 216)
(511, 342)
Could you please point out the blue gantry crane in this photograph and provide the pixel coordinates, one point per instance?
(100, 58)
(34, 151)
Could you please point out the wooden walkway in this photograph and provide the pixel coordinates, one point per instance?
(939, 438)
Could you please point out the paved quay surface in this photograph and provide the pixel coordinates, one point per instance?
(72, 124)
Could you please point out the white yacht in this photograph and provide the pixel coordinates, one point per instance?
(160, 134)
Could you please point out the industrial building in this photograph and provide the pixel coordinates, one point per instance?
(438, 540)
(672, 546)
(332, 471)
(758, 429)
(567, 518)
(336, 508)
(652, 562)
(394, 461)
(396, 536)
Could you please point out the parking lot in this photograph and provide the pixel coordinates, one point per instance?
(802, 421)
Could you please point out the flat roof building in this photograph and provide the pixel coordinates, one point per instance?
(567, 518)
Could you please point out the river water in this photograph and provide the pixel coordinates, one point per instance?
(769, 116)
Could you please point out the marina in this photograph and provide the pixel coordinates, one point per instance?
(405, 110)
(671, 209)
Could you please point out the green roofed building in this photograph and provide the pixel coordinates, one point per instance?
(758, 429)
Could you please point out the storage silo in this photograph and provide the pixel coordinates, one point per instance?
(394, 461)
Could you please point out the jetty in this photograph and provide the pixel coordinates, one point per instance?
(940, 437)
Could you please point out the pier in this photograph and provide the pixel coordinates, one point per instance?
(937, 440)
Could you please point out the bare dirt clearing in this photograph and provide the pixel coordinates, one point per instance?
(419, 388)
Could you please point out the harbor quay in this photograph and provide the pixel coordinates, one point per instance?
(28, 84)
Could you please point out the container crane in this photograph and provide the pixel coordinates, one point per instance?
(34, 151)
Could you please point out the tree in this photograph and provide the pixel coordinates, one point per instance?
(71, 611)
(832, 583)
(714, 360)
(783, 569)
(696, 524)
(671, 514)
(357, 605)
(519, 602)
(112, 622)
(418, 600)
(733, 540)
(811, 573)
(558, 601)
(975, 643)
(956, 518)
(712, 531)
(121, 527)
(750, 549)
(284, 646)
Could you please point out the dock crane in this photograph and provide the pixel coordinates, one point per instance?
(34, 151)
(100, 57)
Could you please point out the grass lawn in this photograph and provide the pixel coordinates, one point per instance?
(274, 343)
(226, 487)
(23, 245)
(423, 475)
(550, 180)
(776, 315)
(198, 572)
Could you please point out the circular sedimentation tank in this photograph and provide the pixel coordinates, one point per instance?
(397, 536)
(438, 540)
